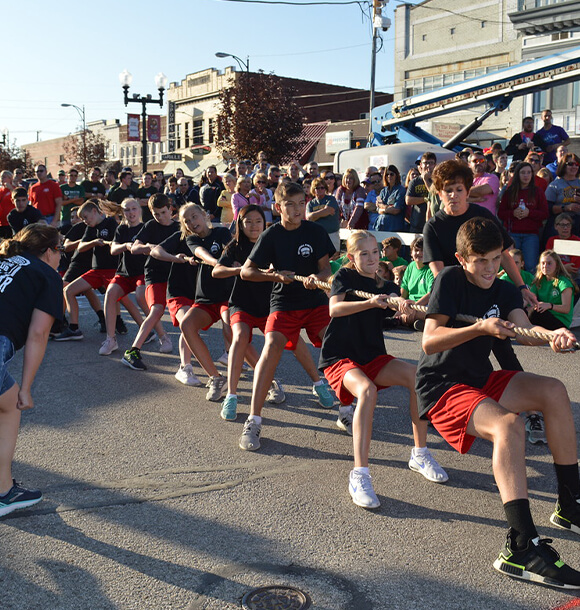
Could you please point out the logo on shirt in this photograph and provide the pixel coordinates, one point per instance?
(104, 233)
(215, 248)
(492, 312)
(305, 250)
(555, 292)
(9, 267)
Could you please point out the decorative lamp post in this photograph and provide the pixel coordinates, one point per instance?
(161, 83)
(81, 112)
(244, 65)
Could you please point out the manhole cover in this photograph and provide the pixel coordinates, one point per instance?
(276, 598)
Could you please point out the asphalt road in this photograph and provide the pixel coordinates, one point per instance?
(149, 502)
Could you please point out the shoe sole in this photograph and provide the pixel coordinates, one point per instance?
(108, 353)
(360, 504)
(135, 368)
(342, 427)
(514, 571)
(222, 394)
(418, 469)
(228, 418)
(6, 510)
(69, 339)
(539, 441)
(277, 401)
(194, 384)
(564, 524)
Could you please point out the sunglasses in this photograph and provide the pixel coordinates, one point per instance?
(59, 248)
(572, 164)
(534, 161)
(375, 181)
(260, 181)
(330, 177)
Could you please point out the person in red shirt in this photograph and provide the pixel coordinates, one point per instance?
(46, 196)
(535, 160)
(6, 205)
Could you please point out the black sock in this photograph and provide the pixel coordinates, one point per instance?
(135, 349)
(119, 317)
(568, 483)
(73, 326)
(101, 316)
(520, 520)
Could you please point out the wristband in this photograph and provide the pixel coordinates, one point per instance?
(523, 287)
(552, 304)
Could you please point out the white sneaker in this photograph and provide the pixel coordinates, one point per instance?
(361, 490)
(186, 376)
(109, 346)
(344, 422)
(218, 388)
(428, 466)
(276, 393)
(165, 345)
(223, 359)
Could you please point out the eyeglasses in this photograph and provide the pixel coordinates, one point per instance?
(563, 224)
(389, 174)
(40, 171)
(477, 161)
(330, 177)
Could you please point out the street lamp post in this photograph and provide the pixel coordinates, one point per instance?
(81, 112)
(160, 82)
(244, 65)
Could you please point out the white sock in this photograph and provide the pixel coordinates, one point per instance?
(361, 470)
(232, 396)
(345, 409)
(420, 451)
(319, 382)
(255, 418)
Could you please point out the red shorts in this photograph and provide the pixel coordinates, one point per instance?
(453, 410)
(335, 374)
(156, 294)
(215, 310)
(241, 317)
(174, 304)
(290, 323)
(128, 284)
(98, 278)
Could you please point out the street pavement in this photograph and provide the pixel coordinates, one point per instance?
(149, 502)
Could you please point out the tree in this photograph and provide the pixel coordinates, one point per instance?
(12, 157)
(258, 112)
(85, 150)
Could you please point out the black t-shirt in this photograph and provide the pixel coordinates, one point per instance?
(17, 220)
(102, 257)
(118, 195)
(182, 276)
(93, 188)
(469, 362)
(209, 195)
(156, 272)
(298, 251)
(26, 283)
(144, 193)
(130, 265)
(209, 289)
(440, 233)
(418, 188)
(81, 260)
(250, 297)
(358, 336)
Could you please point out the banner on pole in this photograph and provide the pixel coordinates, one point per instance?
(154, 128)
(133, 128)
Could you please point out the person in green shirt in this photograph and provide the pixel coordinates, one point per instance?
(391, 248)
(555, 289)
(73, 194)
(415, 287)
(518, 257)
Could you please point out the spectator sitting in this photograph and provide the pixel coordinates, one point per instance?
(563, 226)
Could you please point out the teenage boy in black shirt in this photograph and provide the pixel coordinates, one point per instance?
(463, 397)
(156, 273)
(23, 214)
(292, 246)
(98, 237)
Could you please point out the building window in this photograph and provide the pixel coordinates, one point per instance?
(560, 97)
(186, 135)
(210, 131)
(452, 31)
(122, 153)
(483, 23)
(61, 159)
(424, 37)
(178, 136)
(198, 131)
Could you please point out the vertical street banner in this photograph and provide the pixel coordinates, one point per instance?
(133, 128)
(170, 126)
(154, 128)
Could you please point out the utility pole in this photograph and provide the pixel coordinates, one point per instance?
(384, 23)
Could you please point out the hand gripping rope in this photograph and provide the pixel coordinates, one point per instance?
(524, 332)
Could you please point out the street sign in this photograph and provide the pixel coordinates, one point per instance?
(171, 157)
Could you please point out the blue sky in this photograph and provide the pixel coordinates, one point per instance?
(73, 52)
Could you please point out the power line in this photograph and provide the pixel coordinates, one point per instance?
(287, 2)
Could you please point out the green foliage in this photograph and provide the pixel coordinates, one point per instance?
(12, 157)
(257, 112)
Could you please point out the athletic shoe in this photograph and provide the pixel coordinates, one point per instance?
(109, 346)
(361, 490)
(69, 335)
(186, 376)
(229, 408)
(217, 388)
(276, 393)
(250, 439)
(18, 497)
(322, 392)
(132, 358)
(165, 345)
(246, 367)
(120, 327)
(538, 562)
(427, 465)
(150, 337)
(344, 422)
(535, 429)
(223, 359)
(567, 518)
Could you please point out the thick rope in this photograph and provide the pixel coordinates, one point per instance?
(524, 332)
